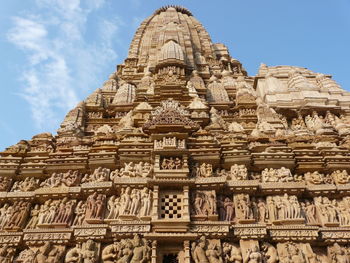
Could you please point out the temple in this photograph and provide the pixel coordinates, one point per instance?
(181, 157)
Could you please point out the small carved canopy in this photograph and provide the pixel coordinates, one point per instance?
(171, 53)
(170, 117)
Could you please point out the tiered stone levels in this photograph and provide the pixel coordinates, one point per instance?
(182, 157)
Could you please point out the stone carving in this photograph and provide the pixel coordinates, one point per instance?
(95, 99)
(170, 113)
(147, 83)
(67, 179)
(253, 255)
(309, 212)
(326, 211)
(216, 92)
(216, 121)
(118, 165)
(202, 170)
(47, 253)
(99, 175)
(73, 123)
(95, 207)
(236, 128)
(171, 163)
(141, 169)
(34, 217)
(238, 172)
(191, 89)
(317, 124)
(169, 143)
(14, 217)
(314, 178)
(204, 204)
(338, 123)
(338, 254)
(269, 253)
(231, 253)
(83, 253)
(125, 94)
(6, 254)
(80, 212)
(111, 84)
(225, 208)
(243, 208)
(60, 212)
(206, 251)
(28, 184)
(131, 203)
(283, 209)
(5, 183)
(341, 177)
(293, 252)
(127, 251)
(276, 175)
(197, 81)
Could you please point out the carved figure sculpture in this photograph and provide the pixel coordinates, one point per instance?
(85, 253)
(204, 203)
(127, 251)
(95, 206)
(6, 254)
(198, 251)
(231, 253)
(269, 253)
(67, 179)
(99, 175)
(243, 207)
(253, 255)
(28, 184)
(5, 183)
(238, 172)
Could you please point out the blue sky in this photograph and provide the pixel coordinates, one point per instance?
(55, 52)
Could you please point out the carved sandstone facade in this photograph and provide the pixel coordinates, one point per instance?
(182, 157)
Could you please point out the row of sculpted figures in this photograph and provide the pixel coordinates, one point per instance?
(273, 209)
(137, 204)
(197, 170)
(129, 203)
(137, 249)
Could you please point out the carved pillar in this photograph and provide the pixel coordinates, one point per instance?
(185, 165)
(155, 211)
(157, 162)
(187, 256)
(186, 203)
(154, 252)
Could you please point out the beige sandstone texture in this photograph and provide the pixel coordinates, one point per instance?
(182, 157)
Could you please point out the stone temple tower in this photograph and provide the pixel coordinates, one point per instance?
(182, 157)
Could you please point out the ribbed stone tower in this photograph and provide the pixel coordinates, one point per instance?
(182, 157)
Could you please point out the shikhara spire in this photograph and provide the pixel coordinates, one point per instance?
(181, 156)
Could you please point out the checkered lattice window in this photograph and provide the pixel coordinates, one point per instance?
(171, 206)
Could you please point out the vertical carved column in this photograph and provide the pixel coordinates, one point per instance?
(186, 203)
(154, 252)
(187, 257)
(157, 162)
(185, 162)
(155, 211)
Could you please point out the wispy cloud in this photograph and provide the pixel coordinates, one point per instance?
(62, 60)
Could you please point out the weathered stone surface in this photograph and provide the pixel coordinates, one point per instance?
(182, 157)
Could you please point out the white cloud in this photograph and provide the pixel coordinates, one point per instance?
(62, 60)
